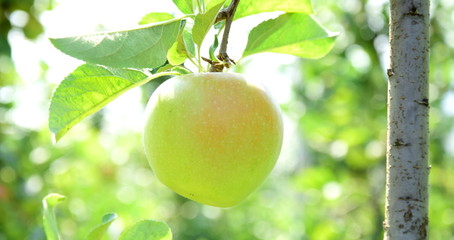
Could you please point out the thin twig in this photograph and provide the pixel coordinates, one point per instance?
(227, 15)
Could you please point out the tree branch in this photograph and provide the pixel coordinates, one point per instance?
(227, 15)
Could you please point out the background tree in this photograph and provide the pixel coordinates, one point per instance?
(408, 127)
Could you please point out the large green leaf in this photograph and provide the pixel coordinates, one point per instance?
(99, 231)
(147, 230)
(49, 219)
(88, 89)
(292, 33)
(204, 21)
(144, 47)
(249, 7)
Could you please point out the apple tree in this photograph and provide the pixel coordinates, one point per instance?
(216, 154)
(168, 45)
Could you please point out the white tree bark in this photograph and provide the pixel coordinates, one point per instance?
(408, 113)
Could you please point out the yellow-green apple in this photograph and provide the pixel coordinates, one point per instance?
(212, 137)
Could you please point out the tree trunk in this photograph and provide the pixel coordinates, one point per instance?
(408, 117)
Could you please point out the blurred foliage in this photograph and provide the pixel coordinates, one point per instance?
(335, 190)
(26, 13)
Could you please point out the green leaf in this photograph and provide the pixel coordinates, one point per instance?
(49, 219)
(189, 43)
(98, 232)
(144, 47)
(212, 3)
(88, 89)
(147, 230)
(177, 54)
(164, 68)
(185, 6)
(204, 21)
(250, 7)
(292, 33)
(213, 48)
(182, 70)
(155, 17)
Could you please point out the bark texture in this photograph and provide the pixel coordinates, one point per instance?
(408, 117)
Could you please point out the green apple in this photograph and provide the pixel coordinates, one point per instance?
(212, 137)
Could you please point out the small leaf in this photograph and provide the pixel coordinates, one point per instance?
(213, 48)
(164, 68)
(147, 230)
(182, 70)
(219, 25)
(53, 199)
(204, 21)
(185, 6)
(292, 33)
(49, 219)
(88, 89)
(144, 47)
(99, 231)
(177, 54)
(155, 17)
(250, 7)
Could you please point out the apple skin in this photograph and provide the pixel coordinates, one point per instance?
(212, 137)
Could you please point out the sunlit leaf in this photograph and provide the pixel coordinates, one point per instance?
(185, 6)
(204, 21)
(291, 33)
(250, 7)
(147, 230)
(155, 17)
(49, 219)
(144, 47)
(213, 3)
(88, 89)
(98, 232)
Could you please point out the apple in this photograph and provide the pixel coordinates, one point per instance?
(212, 137)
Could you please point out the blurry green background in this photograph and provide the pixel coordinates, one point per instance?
(328, 184)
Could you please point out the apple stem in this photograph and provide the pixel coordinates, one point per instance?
(227, 15)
